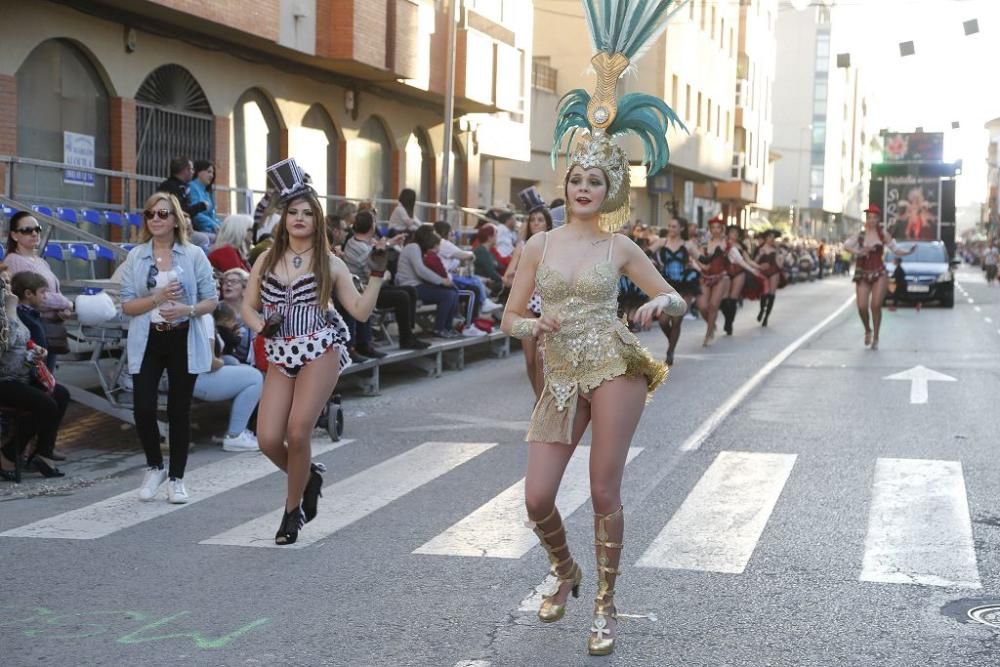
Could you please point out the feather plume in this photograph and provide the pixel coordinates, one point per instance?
(572, 116)
(626, 26)
(648, 117)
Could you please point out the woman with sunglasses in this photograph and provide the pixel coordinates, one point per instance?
(167, 285)
(23, 245)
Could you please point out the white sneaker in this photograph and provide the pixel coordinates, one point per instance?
(490, 306)
(244, 442)
(176, 493)
(473, 332)
(151, 482)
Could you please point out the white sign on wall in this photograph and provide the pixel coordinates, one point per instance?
(78, 150)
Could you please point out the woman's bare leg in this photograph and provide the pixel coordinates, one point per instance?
(717, 291)
(615, 411)
(862, 293)
(313, 388)
(272, 415)
(546, 464)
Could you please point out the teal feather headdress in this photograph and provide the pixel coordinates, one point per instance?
(621, 31)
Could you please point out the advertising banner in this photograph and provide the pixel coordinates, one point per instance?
(78, 150)
(913, 147)
(912, 208)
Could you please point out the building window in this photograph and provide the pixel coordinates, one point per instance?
(419, 160)
(816, 177)
(703, 3)
(256, 141)
(728, 127)
(687, 103)
(718, 117)
(698, 122)
(674, 92)
(317, 149)
(708, 113)
(711, 30)
(369, 163)
(722, 33)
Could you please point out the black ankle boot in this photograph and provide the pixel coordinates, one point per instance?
(763, 306)
(313, 492)
(770, 305)
(291, 524)
(728, 308)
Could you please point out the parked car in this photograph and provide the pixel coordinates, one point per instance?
(930, 274)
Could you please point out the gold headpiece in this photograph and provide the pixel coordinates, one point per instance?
(621, 31)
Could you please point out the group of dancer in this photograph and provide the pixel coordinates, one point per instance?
(716, 276)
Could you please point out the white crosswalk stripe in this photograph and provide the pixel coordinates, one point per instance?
(126, 510)
(497, 530)
(718, 525)
(358, 496)
(919, 530)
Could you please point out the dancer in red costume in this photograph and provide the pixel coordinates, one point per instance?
(870, 276)
(740, 265)
(770, 259)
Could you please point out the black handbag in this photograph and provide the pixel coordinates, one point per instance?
(56, 337)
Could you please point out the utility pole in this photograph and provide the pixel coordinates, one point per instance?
(449, 100)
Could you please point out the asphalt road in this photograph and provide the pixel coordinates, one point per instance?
(824, 515)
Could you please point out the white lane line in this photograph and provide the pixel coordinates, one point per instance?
(720, 522)
(695, 440)
(988, 320)
(473, 663)
(970, 300)
(125, 510)
(919, 531)
(977, 309)
(497, 530)
(361, 494)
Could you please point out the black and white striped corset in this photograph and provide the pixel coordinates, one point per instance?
(297, 302)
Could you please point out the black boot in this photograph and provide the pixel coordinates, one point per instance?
(770, 306)
(728, 308)
(763, 306)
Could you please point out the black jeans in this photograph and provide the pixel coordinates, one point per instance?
(164, 350)
(403, 301)
(46, 413)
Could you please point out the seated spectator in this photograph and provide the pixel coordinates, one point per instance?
(452, 257)
(237, 337)
(401, 221)
(232, 244)
(402, 299)
(434, 263)
(506, 238)
(337, 231)
(486, 265)
(30, 289)
(23, 387)
(430, 287)
(201, 191)
(240, 383)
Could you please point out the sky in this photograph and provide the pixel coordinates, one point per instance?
(950, 78)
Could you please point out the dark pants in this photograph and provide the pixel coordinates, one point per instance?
(45, 413)
(446, 299)
(403, 301)
(164, 350)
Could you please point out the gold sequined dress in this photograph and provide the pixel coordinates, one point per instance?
(592, 345)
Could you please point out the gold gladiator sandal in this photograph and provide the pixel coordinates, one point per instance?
(600, 641)
(550, 611)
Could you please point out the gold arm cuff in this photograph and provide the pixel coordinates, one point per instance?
(524, 328)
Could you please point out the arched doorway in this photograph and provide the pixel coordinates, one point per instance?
(173, 118)
(369, 164)
(317, 149)
(419, 165)
(256, 143)
(62, 116)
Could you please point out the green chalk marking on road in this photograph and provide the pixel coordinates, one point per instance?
(46, 623)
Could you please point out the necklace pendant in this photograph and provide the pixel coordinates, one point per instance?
(296, 261)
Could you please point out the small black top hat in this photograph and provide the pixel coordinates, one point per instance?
(530, 198)
(289, 180)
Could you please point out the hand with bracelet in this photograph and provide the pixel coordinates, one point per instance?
(532, 327)
(670, 303)
(165, 300)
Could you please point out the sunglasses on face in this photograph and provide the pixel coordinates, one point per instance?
(162, 214)
(29, 230)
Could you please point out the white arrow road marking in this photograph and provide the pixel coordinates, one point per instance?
(919, 376)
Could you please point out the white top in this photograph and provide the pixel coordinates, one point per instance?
(163, 278)
(401, 221)
(991, 256)
(451, 255)
(506, 240)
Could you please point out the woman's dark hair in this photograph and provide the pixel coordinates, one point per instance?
(203, 165)
(684, 227)
(556, 203)
(545, 214)
(364, 222)
(443, 228)
(408, 198)
(426, 237)
(14, 224)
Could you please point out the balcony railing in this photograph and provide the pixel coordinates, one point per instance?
(544, 77)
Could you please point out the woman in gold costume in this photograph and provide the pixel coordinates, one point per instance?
(595, 371)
